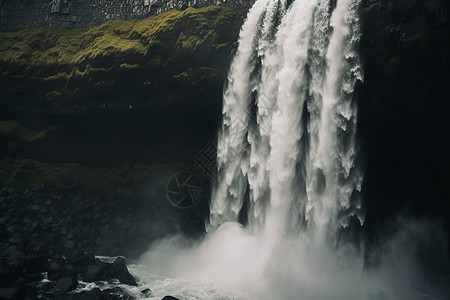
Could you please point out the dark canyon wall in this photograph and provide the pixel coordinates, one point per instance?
(404, 107)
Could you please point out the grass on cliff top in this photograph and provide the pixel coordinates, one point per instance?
(188, 29)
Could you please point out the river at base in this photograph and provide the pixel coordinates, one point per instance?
(232, 264)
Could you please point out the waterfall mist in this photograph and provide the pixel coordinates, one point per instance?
(289, 183)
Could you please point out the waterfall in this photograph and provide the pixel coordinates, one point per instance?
(287, 149)
(288, 174)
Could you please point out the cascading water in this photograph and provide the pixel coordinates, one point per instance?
(287, 171)
(294, 158)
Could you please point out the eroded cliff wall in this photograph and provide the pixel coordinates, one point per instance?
(19, 14)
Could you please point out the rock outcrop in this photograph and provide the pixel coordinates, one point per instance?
(17, 14)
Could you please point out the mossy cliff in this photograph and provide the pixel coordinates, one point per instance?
(127, 82)
(137, 63)
(21, 14)
(112, 113)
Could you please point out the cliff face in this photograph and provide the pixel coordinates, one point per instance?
(19, 14)
(404, 108)
(94, 110)
(120, 94)
(110, 114)
(178, 56)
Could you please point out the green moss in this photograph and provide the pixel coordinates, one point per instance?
(53, 95)
(128, 66)
(122, 181)
(196, 76)
(14, 129)
(47, 46)
(58, 76)
(51, 66)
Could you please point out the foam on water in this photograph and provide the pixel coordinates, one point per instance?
(231, 263)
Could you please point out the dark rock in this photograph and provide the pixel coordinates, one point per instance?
(69, 245)
(56, 271)
(66, 284)
(13, 257)
(8, 293)
(36, 264)
(120, 260)
(28, 278)
(7, 276)
(38, 246)
(169, 298)
(71, 269)
(13, 254)
(4, 234)
(46, 287)
(82, 259)
(94, 294)
(25, 292)
(36, 228)
(99, 271)
(121, 272)
(117, 293)
(146, 292)
(103, 271)
(16, 239)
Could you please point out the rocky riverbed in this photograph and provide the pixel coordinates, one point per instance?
(48, 241)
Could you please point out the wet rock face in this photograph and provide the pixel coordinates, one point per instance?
(16, 14)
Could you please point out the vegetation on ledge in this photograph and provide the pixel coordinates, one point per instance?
(66, 70)
(123, 41)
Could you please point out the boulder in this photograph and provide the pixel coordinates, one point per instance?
(81, 259)
(16, 239)
(8, 293)
(56, 271)
(32, 277)
(13, 255)
(94, 294)
(121, 272)
(102, 271)
(7, 276)
(71, 269)
(24, 292)
(146, 292)
(36, 264)
(66, 284)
